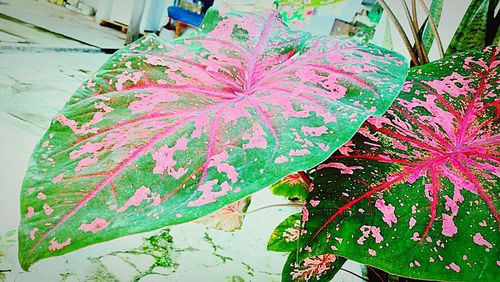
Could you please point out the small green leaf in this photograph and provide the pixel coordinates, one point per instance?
(291, 186)
(308, 3)
(10, 233)
(285, 237)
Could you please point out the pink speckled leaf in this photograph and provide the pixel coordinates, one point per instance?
(167, 133)
(320, 268)
(416, 191)
(286, 235)
(228, 218)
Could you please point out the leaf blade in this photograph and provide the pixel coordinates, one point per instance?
(435, 11)
(164, 134)
(419, 184)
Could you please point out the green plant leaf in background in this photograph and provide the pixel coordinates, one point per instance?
(476, 26)
(435, 11)
(496, 40)
(387, 35)
(165, 133)
(291, 186)
(416, 192)
(307, 3)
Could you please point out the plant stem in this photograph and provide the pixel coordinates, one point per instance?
(360, 277)
(375, 271)
(400, 30)
(305, 177)
(414, 31)
(433, 28)
(272, 206)
(414, 12)
(425, 58)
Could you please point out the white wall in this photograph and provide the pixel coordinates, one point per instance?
(93, 3)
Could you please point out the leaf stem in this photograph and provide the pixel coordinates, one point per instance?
(433, 28)
(305, 177)
(414, 31)
(359, 276)
(400, 30)
(414, 12)
(273, 206)
(374, 270)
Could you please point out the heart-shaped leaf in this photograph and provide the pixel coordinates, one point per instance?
(228, 218)
(416, 191)
(286, 235)
(167, 133)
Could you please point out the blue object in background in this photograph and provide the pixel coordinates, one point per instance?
(184, 16)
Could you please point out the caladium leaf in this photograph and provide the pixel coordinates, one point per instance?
(167, 133)
(228, 218)
(315, 268)
(286, 235)
(416, 191)
(291, 186)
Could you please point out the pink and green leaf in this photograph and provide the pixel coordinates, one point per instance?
(321, 268)
(228, 218)
(165, 133)
(285, 237)
(416, 191)
(291, 186)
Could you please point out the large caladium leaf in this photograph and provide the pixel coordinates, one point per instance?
(416, 191)
(167, 133)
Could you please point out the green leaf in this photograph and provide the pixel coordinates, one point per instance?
(321, 268)
(387, 35)
(471, 33)
(415, 192)
(10, 233)
(285, 236)
(307, 3)
(291, 186)
(496, 41)
(435, 11)
(165, 133)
